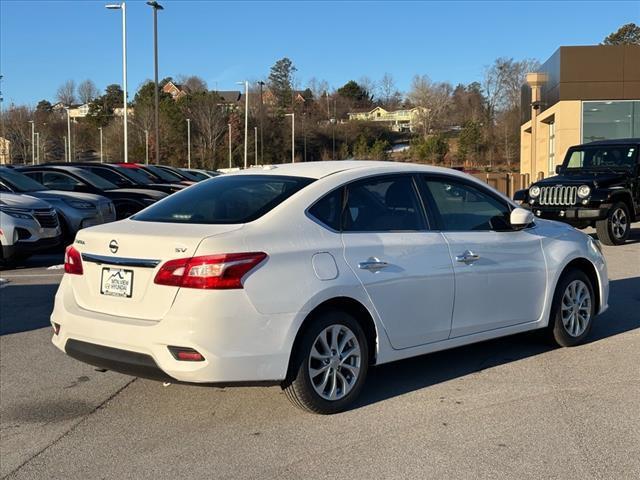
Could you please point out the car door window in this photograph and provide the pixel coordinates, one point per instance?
(383, 204)
(460, 206)
(110, 175)
(59, 181)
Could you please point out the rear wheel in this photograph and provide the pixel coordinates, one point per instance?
(329, 365)
(614, 230)
(573, 309)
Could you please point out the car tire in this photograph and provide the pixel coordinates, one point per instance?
(572, 310)
(317, 374)
(615, 229)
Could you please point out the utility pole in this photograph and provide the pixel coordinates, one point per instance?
(229, 125)
(146, 147)
(246, 119)
(33, 142)
(255, 136)
(293, 136)
(156, 6)
(188, 143)
(38, 148)
(261, 83)
(101, 157)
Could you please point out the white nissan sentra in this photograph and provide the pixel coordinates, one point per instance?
(304, 275)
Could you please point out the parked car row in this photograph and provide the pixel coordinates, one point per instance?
(80, 195)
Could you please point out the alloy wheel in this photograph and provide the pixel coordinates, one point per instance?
(334, 362)
(619, 223)
(576, 308)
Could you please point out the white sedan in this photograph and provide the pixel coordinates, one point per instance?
(305, 275)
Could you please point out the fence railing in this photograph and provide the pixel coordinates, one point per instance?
(507, 183)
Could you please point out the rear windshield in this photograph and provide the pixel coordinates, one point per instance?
(225, 200)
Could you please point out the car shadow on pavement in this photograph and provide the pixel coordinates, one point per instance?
(405, 376)
(25, 307)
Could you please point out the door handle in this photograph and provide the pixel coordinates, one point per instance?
(468, 257)
(373, 264)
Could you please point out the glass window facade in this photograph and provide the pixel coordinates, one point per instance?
(608, 120)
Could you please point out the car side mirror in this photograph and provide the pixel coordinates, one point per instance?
(520, 218)
(558, 169)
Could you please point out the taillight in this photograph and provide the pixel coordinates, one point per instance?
(72, 261)
(224, 271)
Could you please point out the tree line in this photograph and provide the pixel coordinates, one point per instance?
(475, 124)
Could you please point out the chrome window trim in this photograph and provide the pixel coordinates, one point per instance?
(120, 261)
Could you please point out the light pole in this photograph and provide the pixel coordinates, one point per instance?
(255, 136)
(188, 143)
(68, 135)
(38, 148)
(122, 6)
(101, 157)
(293, 136)
(262, 84)
(64, 138)
(229, 125)
(33, 142)
(246, 119)
(156, 6)
(146, 147)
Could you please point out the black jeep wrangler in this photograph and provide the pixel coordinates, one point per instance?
(598, 184)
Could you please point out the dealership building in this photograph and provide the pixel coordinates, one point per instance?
(579, 95)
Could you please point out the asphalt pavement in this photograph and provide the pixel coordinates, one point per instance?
(503, 409)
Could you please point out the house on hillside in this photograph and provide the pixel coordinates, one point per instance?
(176, 91)
(79, 111)
(404, 120)
(269, 98)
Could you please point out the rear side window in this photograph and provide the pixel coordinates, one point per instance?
(225, 200)
(383, 204)
(328, 210)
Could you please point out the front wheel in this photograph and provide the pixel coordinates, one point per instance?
(329, 364)
(615, 229)
(573, 309)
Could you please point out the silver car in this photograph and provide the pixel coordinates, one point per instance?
(76, 210)
(27, 225)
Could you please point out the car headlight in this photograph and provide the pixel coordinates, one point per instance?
(15, 213)
(79, 204)
(534, 192)
(584, 191)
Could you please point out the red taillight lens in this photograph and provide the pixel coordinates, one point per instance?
(223, 271)
(72, 261)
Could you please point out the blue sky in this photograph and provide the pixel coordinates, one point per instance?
(44, 43)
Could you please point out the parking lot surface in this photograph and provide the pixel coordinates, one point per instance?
(507, 408)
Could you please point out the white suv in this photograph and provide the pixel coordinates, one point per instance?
(27, 226)
(305, 275)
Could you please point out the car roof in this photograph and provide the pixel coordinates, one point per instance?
(617, 141)
(322, 169)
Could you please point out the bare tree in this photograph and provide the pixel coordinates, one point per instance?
(368, 85)
(434, 98)
(192, 83)
(18, 132)
(319, 88)
(66, 93)
(87, 91)
(209, 121)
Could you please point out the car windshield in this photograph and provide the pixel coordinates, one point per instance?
(19, 182)
(164, 174)
(225, 200)
(135, 175)
(612, 157)
(94, 180)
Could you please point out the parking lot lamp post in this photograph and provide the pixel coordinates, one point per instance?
(188, 143)
(122, 6)
(64, 141)
(38, 148)
(229, 125)
(156, 6)
(246, 119)
(293, 136)
(262, 84)
(146, 147)
(255, 136)
(33, 142)
(101, 157)
(68, 135)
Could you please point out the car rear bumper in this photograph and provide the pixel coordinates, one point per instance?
(239, 345)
